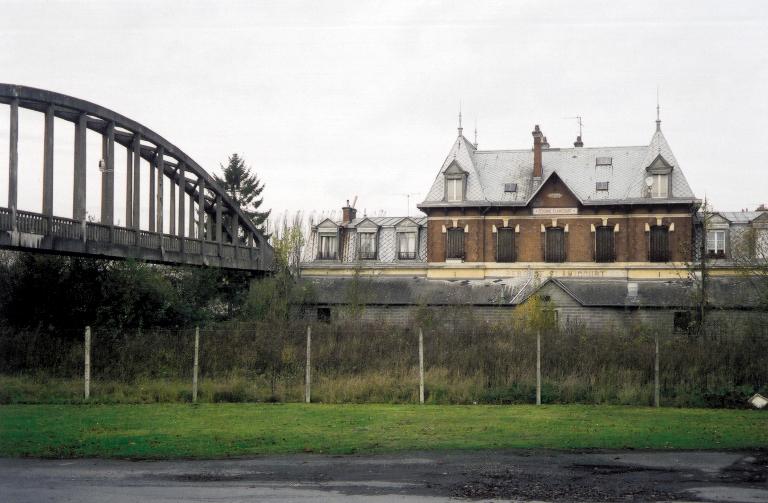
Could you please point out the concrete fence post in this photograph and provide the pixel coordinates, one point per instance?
(87, 367)
(308, 379)
(656, 383)
(538, 367)
(421, 366)
(196, 366)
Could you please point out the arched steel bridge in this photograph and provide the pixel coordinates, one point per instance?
(206, 227)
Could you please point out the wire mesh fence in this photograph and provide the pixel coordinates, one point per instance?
(356, 361)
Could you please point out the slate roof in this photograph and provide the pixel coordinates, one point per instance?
(383, 221)
(417, 291)
(386, 221)
(489, 170)
(724, 293)
(740, 217)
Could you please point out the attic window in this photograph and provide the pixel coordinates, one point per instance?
(604, 161)
(601, 185)
(510, 187)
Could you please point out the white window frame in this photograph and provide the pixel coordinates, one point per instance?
(369, 237)
(331, 250)
(717, 240)
(407, 242)
(455, 190)
(660, 187)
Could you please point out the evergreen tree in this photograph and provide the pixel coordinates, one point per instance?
(244, 188)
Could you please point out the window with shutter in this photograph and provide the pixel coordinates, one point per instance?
(455, 243)
(505, 245)
(554, 246)
(659, 245)
(604, 244)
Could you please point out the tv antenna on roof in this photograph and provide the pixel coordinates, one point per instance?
(578, 118)
(408, 202)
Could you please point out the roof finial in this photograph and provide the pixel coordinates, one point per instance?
(658, 108)
(475, 133)
(461, 129)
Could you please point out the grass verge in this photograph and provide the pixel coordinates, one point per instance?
(221, 430)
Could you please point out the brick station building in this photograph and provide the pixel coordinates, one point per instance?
(501, 225)
(599, 211)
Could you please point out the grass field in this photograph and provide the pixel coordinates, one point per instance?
(220, 430)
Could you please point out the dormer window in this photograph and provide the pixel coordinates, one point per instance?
(657, 181)
(366, 249)
(328, 248)
(455, 183)
(367, 240)
(659, 186)
(407, 233)
(455, 189)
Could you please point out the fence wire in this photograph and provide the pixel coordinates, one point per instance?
(354, 361)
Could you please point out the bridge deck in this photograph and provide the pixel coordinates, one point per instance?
(27, 231)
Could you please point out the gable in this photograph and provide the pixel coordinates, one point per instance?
(554, 193)
(552, 291)
(407, 224)
(454, 169)
(659, 166)
(367, 225)
(327, 225)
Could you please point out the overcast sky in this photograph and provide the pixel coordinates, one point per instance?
(331, 100)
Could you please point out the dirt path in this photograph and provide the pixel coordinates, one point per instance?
(496, 475)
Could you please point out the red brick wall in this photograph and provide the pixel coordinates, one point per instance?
(631, 241)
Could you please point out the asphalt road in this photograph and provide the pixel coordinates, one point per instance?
(496, 475)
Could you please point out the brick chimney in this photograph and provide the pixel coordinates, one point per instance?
(537, 170)
(348, 213)
(578, 142)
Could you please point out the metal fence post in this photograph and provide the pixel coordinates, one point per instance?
(421, 366)
(308, 380)
(196, 364)
(538, 367)
(87, 372)
(656, 383)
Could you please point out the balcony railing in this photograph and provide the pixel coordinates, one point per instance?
(366, 255)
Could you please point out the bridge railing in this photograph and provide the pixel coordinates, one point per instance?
(40, 225)
(66, 228)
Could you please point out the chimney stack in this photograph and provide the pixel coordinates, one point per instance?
(578, 142)
(348, 213)
(537, 169)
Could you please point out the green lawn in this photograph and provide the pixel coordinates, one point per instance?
(219, 430)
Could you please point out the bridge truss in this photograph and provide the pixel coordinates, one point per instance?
(206, 226)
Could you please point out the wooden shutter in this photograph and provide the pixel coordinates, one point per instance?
(604, 244)
(659, 244)
(455, 245)
(555, 245)
(505, 245)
